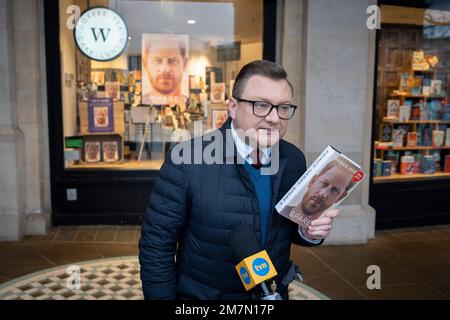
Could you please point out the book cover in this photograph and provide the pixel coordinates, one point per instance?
(394, 157)
(445, 115)
(101, 115)
(412, 139)
(376, 167)
(438, 138)
(407, 164)
(436, 87)
(423, 111)
(417, 162)
(393, 109)
(325, 184)
(404, 113)
(386, 132)
(112, 90)
(415, 110)
(404, 78)
(447, 137)
(92, 151)
(428, 165)
(427, 135)
(435, 110)
(387, 168)
(397, 138)
(447, 164)
(110, 151)
(437, 158)
(421, 135)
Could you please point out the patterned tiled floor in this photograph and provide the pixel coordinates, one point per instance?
(106, 279)
(414, 263)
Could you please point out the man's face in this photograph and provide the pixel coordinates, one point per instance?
(270, 129)
(220, 119)
(217, 92)
(92, 151)
(165, 66)
(110, 150)
(325, 190)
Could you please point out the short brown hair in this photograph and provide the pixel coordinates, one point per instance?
(263, 68)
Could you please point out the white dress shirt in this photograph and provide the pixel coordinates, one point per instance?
(245, 150)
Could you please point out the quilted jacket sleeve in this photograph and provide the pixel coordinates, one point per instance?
(163, 226)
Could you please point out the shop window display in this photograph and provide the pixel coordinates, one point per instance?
(175, 74)
(412, 133)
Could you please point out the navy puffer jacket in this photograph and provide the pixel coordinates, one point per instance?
(192, 209)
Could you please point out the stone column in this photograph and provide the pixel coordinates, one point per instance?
(12, 142)
(32, 109)
(329, 53)
(25, 196)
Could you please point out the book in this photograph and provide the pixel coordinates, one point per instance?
(404, 113)
(438, 138)
(447, 164)
(404, 78)
(436, 87)
(415, 110)
(428, 165)
(423, 111)
(92, 151)
(445, 114)
(447, 137)
(386, 132)
(377, 168)
(393, 109)
(416, 91)
(397, 138)
(417, 162)
(407, 164)
(394, 157)
(412, 139)
(437, 158)
(101, 115)
(434, 110)
(325, 184)
(387, 168)
(112, 90)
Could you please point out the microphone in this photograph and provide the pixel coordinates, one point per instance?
(253, 264)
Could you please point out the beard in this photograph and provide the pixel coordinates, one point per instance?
(312, 205)
(165, 84)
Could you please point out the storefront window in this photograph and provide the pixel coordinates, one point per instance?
(412, 130)
(148, 74)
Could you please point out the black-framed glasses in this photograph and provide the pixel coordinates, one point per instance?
(263, 108)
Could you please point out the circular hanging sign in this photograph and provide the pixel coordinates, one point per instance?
(101, 34)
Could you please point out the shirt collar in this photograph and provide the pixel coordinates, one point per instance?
(244, 149)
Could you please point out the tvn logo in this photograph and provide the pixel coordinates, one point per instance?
(261, 267)
(255, 269)
(244, 275)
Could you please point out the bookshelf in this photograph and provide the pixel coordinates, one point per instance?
(415, 122)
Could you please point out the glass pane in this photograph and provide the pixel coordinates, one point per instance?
(412, 107)
(170, 83)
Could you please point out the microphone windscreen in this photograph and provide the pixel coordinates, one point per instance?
(243, 243)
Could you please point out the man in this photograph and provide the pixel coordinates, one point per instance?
(326, 188)
(219, 119)
(217, 92)
(164, 63)
(184, 251)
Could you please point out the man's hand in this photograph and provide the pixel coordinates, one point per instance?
(321, 228)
